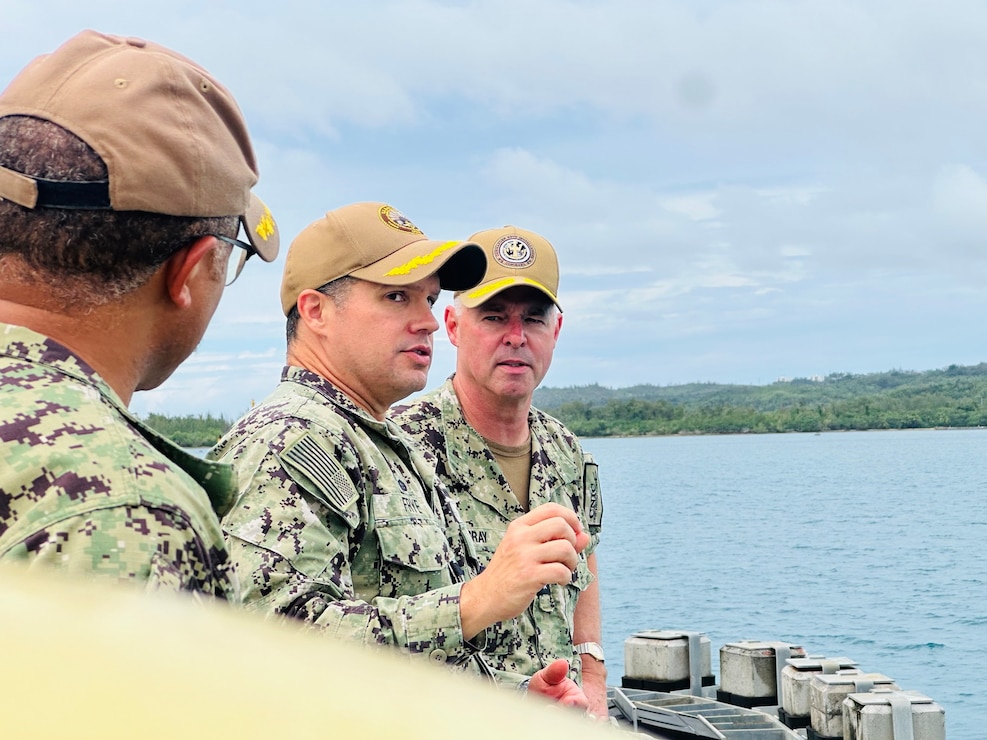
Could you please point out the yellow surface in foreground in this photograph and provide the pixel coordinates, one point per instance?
(85, 659)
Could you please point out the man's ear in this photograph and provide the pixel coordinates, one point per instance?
(180, 267)
(452, 325)
(312, 307)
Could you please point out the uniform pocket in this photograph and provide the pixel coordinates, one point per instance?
(414, 543)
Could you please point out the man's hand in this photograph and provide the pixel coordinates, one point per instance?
(540, 547)
(553, 682)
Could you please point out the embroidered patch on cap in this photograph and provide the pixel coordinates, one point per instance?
(397, 220)
(513, 252)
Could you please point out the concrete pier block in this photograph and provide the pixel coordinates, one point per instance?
(749, 670)
(662, 659)
(795, 678)
(827, 692)
(892, 715)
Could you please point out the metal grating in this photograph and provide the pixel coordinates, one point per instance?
(677, 716)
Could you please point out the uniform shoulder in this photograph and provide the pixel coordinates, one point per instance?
(423, 412)
(278, 421)
(122, 481)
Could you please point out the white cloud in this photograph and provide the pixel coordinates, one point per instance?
(737, 190)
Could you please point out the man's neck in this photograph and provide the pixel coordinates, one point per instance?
(503, 420)
(303, 354)
(98, 335)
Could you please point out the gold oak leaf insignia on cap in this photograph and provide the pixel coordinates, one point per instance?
(421, 260)
(265, 226)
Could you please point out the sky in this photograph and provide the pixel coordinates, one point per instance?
(738, 191)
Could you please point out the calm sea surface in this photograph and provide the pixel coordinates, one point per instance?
(869, 545)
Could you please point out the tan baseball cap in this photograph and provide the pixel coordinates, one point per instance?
(377, 243)
(173, 139)
(514, 257)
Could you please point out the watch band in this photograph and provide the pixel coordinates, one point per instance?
(593, 649)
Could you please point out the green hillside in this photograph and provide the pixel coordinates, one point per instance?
(897, 399)
(952, 397)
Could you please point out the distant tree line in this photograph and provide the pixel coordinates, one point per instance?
(952, 397)
(637, 418)
(190, 431)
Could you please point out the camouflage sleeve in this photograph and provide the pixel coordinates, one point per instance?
(425, 623)
(296, 538)
(154, 545)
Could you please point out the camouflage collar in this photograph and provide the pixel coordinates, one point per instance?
(465, 449)
(26, 344)
(217, 479)
(388, 428)
(332, 394)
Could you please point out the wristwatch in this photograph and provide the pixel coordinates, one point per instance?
(593, 649)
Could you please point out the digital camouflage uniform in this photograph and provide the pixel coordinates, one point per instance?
(87, 487)
(338, 523)
(560, 473)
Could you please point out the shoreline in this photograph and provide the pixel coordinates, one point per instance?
(752, 434)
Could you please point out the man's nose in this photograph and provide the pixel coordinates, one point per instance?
(514, 335)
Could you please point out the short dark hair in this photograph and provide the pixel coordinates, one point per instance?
(118, 250)
(336, 289)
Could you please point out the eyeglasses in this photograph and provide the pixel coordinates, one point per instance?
(235, 266)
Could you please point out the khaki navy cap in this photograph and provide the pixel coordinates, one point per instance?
(514, 257)
(173, 139)
(377, 243)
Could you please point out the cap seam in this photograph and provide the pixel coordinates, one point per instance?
(195, 144)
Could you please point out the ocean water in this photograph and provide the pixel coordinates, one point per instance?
(869, 545)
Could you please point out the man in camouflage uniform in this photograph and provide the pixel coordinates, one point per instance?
(500, 457)
(125, 171)
(339, 521)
